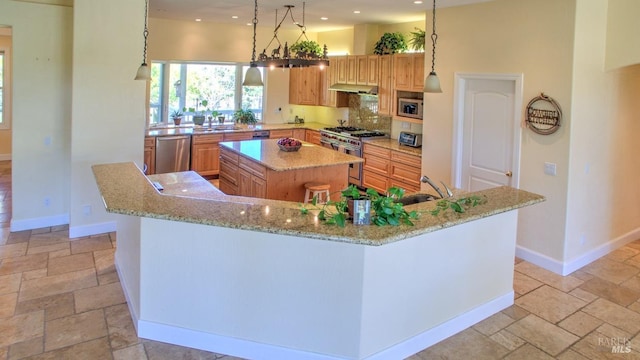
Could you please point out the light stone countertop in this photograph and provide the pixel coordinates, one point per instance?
(392, 144)
(126, 190)
(267, 153)
(170, 130)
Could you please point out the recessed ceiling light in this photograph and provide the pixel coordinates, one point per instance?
(234, 17)
(324, 18)
(249, 24)
(356, 11)
(198, 20)
(417, 2)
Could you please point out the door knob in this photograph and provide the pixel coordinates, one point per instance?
(509, 173)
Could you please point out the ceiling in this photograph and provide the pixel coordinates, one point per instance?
(339, 13)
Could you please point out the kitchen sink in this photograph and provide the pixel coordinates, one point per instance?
(417, 198)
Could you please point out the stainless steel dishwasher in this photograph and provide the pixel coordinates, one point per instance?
(173, 153)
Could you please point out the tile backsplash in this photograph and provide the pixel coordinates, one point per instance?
(363, 113)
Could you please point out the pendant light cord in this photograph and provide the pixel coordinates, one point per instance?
(434, 39)
(146, 31)
(255, 23)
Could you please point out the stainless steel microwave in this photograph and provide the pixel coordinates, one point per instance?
(411, 108)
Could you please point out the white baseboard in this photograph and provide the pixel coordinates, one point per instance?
(4, 157)
(253, 350)
(37, 223)
(91, 229)
(566, 268)
(134, 315)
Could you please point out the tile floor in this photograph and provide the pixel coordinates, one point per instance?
(61, 299)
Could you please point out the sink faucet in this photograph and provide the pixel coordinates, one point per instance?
(425, 179)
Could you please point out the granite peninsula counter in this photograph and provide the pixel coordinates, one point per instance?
(254, 278)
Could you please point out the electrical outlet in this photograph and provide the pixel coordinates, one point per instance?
(47, 201)
(86, 210)
(550, 169)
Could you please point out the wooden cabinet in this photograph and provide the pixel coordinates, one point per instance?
(341, 68)
(280, 133)
(304, 86)
(150, 155)
(384, 168)
(352, 70)
(299, 134)
(205, 154)
(366, 70)
(328, 77)
(238, 136)
(385, 85)
(409, 72)
(229, 172)
(312, 136)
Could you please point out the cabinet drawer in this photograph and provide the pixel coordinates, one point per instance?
(372, 180)
(280, 133)
(252, 167)
(204, 139)
(405, 173)
(409, 188)
(376, 163)
(312, 136)
(411, 160)
(238, 136)
(376, 150)
(228, 172)
(228, 187)
(149, 141)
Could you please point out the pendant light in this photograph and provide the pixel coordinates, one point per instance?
(253, 76)
(144, 71)
(432, 83)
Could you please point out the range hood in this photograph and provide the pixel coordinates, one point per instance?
(357, 89)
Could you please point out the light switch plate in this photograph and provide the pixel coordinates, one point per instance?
(550, 169)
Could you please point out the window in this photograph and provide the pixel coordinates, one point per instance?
(184, 86)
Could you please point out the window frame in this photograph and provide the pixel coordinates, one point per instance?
(165, 86)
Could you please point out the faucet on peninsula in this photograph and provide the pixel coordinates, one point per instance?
(425, 179)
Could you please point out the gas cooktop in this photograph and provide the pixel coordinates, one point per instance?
(355, 132)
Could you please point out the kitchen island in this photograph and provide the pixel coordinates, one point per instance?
(258, 168)
(256, 279)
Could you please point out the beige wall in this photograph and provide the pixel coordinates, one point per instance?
(42, 40)
(623, 27)
(5, 134)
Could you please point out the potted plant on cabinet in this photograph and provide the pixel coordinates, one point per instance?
(244, 116)
(417, 40)
(176, 115)
(390, 43)
(199, 117)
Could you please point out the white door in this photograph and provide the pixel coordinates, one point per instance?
(488, 131)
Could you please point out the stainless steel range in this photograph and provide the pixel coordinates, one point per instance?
(349, 140)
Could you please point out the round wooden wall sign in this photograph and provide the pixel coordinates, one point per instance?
(543, 115)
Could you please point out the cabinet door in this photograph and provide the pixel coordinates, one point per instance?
(299, 134)
(244, 183)
(372, 69)
(402, 69)
(372, 180)
(150, 154)
(312, 136)
(417, 82)
(258, 187)
(352, 70)
(304, 86)
(341, 71)
(385, 83)
(205, 159)
(362, 70)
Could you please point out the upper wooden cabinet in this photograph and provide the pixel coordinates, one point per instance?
(304, 86)
(385, 85)
(340, 68)
(352, 70)
(328, 77)
(409, 72)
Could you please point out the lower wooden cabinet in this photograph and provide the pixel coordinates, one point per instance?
(384, 168)
(150, 155)
(312, 136)
(229, 173)
(280, 133)
(205, 154)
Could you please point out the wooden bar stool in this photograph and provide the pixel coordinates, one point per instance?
(316, 188)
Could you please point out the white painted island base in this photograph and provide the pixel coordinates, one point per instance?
(258, 295)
